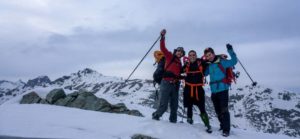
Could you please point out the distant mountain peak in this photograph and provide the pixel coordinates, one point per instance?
(87, 71)
(39, 81)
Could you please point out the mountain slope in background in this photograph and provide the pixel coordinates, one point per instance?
(252, 108)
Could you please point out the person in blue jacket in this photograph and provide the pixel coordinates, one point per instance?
(219, 88)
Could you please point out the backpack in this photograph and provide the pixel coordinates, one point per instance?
(159, 72)
(229, 74)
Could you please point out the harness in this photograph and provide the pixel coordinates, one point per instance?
(193, 85)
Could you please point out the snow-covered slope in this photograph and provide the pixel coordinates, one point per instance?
(252, 108)
(10, 89)
(267, 110)
(46, 121)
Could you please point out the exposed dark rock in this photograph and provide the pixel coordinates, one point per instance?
(103, 105)
(79, 102)
(135, 113)
(43, 101)
(61, 80)
(298, 105)
(8, 93)
(141, 136)
(268, 90)
(55, 95)
(121, 94)
(39, 81)
(69, 87)
(81, 99)
(119, 108)
(64, 101)
(286, 96)
(30, 98)
(236, 97)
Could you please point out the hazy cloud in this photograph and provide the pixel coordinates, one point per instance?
(41, 37)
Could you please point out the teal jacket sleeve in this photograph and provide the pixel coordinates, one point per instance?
(233, 61)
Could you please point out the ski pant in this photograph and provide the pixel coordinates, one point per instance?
(220, 101)
(195, 99)
(168, 93)
(189, 102)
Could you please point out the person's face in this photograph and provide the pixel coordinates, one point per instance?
(192, 56)
(210, 56)
(179, 54)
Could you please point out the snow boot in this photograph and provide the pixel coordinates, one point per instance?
(155, 116)
(209, 130)
(225, 133)
(220, 129)
(190, 120)
(205, 120)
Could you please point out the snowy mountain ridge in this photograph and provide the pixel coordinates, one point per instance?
(252, 108)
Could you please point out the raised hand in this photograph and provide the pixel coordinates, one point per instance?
(229, 46)
(163, 32)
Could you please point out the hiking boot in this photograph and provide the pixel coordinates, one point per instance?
(172, 121)
(221, 128)
(209, 130)
(225, 133)
(155, 116)
(190, 120)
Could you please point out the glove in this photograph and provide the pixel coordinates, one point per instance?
(163, 33)
(229, 46)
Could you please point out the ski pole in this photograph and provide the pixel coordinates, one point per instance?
(253, 82)
(142, 59)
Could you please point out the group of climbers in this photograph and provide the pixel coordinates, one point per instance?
(193, 72)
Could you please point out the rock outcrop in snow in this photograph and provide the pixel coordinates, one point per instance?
(78, 99)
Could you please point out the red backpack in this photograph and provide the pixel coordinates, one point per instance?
(229, 74)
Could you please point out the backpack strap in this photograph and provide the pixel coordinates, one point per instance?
(222, 68)
(200, 70)
(187, 68)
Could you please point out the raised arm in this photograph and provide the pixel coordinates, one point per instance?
(163, 47)
(233, 61)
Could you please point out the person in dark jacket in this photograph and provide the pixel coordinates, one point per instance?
(193, 91)
(169, 86)
(218, 87)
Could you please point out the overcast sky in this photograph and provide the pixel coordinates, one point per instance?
(58, 37)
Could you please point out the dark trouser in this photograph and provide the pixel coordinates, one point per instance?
(198, 100)
(168, 93)
(200, 103)
(220, 101)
